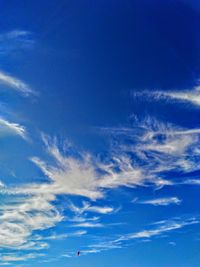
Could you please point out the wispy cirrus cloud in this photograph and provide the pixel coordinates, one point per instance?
(8, 259)
(88, 225)
(14, 34)
(161, 201)
(15, 40)
(159, 148)
(85, 176)
(63, 236)
(191, 182)
(157, 229)
(15, 258)
(162, 227)
(191, 96)
(24, 215)
(33, 208)
(87, 207)
(15, 84)
(10, 128)
(188, 96)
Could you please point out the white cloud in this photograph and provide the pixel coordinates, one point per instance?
(162, 228)
(63, 236)
(191, 96)
(160, 148)
(19, 219)
(14, 34)
(87, 207)
(15, 258)
(162, 201)
(15, 84)
(191, 182)
(90, 251)
(172, 243)
(9, 128)
(169, 147)
(88, 225)
(82, 218)
(102, 210)
(2, 185)
(105, 245)
(15, 40)
(97, 248)
(82, 177)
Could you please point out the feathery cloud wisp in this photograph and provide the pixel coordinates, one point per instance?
(188, 96)
(15, 40)
(15, 84)
(162, 227)
(162, 201)
(9, 128)
(87, 207)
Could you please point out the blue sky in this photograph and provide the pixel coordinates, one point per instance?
(99, 133)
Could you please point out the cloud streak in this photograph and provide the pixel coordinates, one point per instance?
(190, 96)
(9, 128)
(162, 201)
(15, 40)
(162, 228)
(157, 229)
(186, 96)
(87, 207)
(15, 84)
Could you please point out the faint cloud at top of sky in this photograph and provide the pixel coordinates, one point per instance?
(15, 40)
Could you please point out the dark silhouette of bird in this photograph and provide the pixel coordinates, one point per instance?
(78, 253)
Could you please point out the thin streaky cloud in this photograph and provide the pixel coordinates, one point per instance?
(188, 96)
(15, 258)
(87, 207)
(25, 215)
(162, 201)
(16, 84)
(162, 228)
(15, 40)
(10, 128)
(14, 34)
(88, 225)
(63, 236)
(191, 182)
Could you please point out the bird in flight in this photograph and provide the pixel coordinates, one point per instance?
(78, 253)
